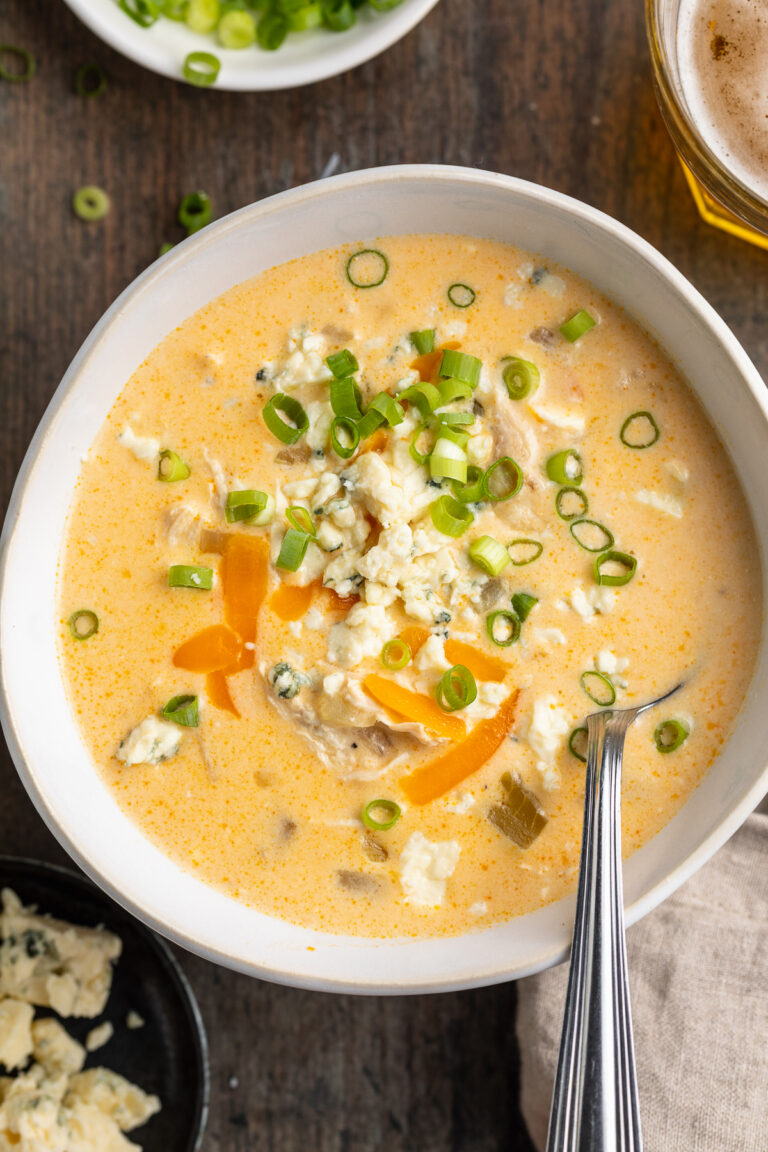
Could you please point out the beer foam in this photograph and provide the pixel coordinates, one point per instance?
(722, 48)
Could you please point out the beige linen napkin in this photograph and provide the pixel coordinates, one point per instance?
(698, 966)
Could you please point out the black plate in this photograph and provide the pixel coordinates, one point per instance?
(169, 1055)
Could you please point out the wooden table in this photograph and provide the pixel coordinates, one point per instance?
(558, 92)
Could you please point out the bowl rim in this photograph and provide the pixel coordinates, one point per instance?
(130, 40)
(450, 176)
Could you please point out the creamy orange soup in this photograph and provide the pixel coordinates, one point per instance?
(286, 634)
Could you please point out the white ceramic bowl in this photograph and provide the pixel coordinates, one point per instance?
(49, 753)
(304, 58)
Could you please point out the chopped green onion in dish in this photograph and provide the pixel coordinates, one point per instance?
(461, 295)
(390, 410)
(195, 211)
(272, 30)
(451, 390)
(456, 419)
(27, 65)
(90, 81)
(523, 604)
(90, 203)
(202, 15)
(615, 568)
(295, 424)
(523, 551)
(190, 576)
(381, 815)
(342, 363)
(489, 555)
(305, 17)
(83, 624)
(577, 744)
(237, 29)
(143, 12)
(174, 9)
(201, 69)
(599, 688)
(423, 341)
(448, 460)
(345, 436)
(503, 627)
(456, 689)
(449, 516)
(249, 506)
(395, 654)
(346, 398)
(413, 446)
(293, 550)
(578, 324)
(338, 15)
(182, 710)
(571, 504)
(171, 468)
(591, 536)
(639, 430)
(503, 480)
(299, 518)
(565, 467)
(670, 734)
(521, 377)
(423, 397)
(460, 366)
(367, 268)
(470, 491)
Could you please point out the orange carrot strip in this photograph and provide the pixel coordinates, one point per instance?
(448, 771)
(217, 691)
(413, 706)
(291, 601)
(415, 638)
(481, 666)
(211, 650)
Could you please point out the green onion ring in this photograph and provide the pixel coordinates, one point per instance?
(523, 604)
(293, 550)
(377, 276)
(455, 419)
(182, 710)
(451, 390)
(389, 409)
(522, 543)
(578, 736)
(395, 654)
(424, 341)
(570, 493)
(461, 295)
(565, 467)
(460, 366)
(424, 397)
(510, 622)
(272, 30)
(514, 473)
(342, 363)
(90, 203)
(190, 576)
(194, 212)
(488, 554)
(456, 689)
(299, 518)
(394, 812)
(338, 15)
(277, 425)
(143, 12)
(612, 557)
(90, 81)
(174, 9)
(521, 377)
(608, 535)
(249, 506)
(237, 29)
(574, 328)
(201, 69)
(343, 424)
(592, 682)
(171, 468)
(471, 491)
(448, 460)
(83, 624)
(653, 431)
(419, 457)
(450, 517)
(670, 734)
(346, 398)
(26, 58)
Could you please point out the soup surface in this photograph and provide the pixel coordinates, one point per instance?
(543, 518)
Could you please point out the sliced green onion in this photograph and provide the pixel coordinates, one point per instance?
(171, 468)
(367, 268)
(670, 734)
(306, 17)
(369, 423)
(461, 295)
(448, 461)
(346, 398)
(455, 419)
(456, 435)
(522, 551)
(523, 603)
(489, 555)
(338, 15)
(578, 324)
(342, 363)
(503, 480)
(90, 81)
(571, 503)
(451, 390)
(621, 560)
(293, 550)
(577, 744)
(201, 69)
(503, 627)
(591, 536)
(182, 710)
(390, 409)
(291, 429)
(424, 341)
(599, 688)
(457, 689)
(299, 518)
(565, 467)
(194, 212)
(391, 811)
(424, 397)
(25, 58)
(237, 29)
(450, 517)
(413, 446)
(190, 576)
(383, 5)
(471, 491)
(174, 9)
(90, 203)
(639, 430)
(345, 437)
(272, 30)
(460, 366)
(520, 376)
(83, 624)
(203, 15)
(249, 506)
(395, 654)
(142, 12)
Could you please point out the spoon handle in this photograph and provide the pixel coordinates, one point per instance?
(595, 1104)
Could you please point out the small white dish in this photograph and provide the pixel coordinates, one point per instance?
(49, 753)
(305, 57)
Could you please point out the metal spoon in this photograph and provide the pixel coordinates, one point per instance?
(594, 1104)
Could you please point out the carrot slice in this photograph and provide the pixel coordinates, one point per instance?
(481, 666)
(211, 650)
(244, 571)
(415, 638)
(413, 706)
(447, 771)
(291, 601)
(217, 691)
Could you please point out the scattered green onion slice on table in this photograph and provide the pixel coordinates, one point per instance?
(171, 468)
(395, 654)
(577, 744)
(388, 808)
(471, 491)
(670, 734)
(523, 604)
(83, 624)
(295, 424)
(90, 81)
(461, 295)
(190, 576)
(342, 363)
(202, 15)
(626, 564)
(599, 688)
(423, 341)
(17, 75)
(249, 506)
(201, 69)
(298, 517)
(460, 366)
(237, 29)
(591, 535)
(572, 503)
(456, 689)
(451, 390)
(389, 409)
(194, 211)
(424, 397)
(90, 203)
(503, 480)
(143, 12)
(272, 30)
(523, 551)
(488, 554)
(345, 436)
(182, 710)
(521, 377)
(346, 399)
(450, 517)
(367, 268)
(338, 15)
(293, 550)
(565, 467)
(503, 627)
(639, 430)
(577, 325)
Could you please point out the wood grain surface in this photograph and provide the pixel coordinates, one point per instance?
(558, 92)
